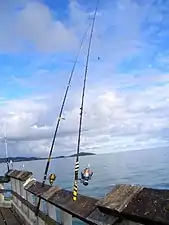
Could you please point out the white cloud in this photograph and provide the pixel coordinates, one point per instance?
(32, 26)
(114, 119)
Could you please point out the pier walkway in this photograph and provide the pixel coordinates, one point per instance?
(9, 217)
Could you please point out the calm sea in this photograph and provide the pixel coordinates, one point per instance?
(144, 167)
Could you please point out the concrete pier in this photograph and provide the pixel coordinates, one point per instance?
(124, 205)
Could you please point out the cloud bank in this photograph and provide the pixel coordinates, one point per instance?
(126, 102)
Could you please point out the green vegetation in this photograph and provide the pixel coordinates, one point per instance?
(82, 154)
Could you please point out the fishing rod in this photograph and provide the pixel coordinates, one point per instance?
(75, 187)
(6, 152)
(60, 116)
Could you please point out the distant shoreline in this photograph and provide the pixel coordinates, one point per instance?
(21, 159)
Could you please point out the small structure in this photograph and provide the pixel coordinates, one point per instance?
(124, 205)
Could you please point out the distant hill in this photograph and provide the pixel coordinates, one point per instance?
(82, 154)
(20, 159)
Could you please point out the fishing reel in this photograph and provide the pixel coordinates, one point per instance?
(86, 176)
(52, 178)
(85, 182)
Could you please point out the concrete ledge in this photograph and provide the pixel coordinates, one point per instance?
(19, 175)
(125, 204)
(118, 199)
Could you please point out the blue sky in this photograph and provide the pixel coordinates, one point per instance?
(127, 89)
